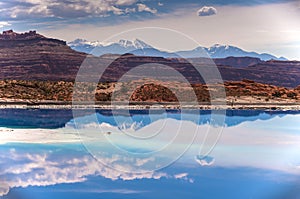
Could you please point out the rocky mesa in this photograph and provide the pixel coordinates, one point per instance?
(31, 56)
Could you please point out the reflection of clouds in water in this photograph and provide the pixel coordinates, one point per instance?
(265, 144)
(4, 188)
(41, 136)
(258, 144)
(184, 176)
(204, 160)
(46, 168)
(163, 141)
(99, 190)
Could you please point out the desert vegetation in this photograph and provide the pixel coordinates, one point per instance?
(137, 91)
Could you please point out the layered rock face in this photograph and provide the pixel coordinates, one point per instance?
(279, 73)
(31, 56)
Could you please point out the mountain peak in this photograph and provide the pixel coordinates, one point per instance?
(136, 43)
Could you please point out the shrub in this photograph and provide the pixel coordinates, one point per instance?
(276, 94)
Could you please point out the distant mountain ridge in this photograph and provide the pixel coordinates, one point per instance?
(31, 56)
(140, 48)
(98, 48)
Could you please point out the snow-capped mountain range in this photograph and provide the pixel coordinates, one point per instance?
(138, 47)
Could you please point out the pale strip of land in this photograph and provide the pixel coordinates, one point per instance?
(217, 105)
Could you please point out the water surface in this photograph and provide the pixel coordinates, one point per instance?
(47, 154)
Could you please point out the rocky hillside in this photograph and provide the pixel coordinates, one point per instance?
(279, 73)
(31, 56)
(246, 90)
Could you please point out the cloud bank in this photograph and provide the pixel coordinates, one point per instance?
(144, 8)
(70, 9)
(4, 23)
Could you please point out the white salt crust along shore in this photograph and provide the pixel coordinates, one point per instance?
(158, 107)
(26, 104)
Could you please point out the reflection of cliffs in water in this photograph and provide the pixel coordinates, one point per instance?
(34, 118)
(42, 118)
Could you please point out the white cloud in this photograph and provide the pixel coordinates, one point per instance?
(206, 11)
(180, 175)
(145, 8)
(4, 23)
(65, 9)
(33, 8)
(130, 10)
(125, 2)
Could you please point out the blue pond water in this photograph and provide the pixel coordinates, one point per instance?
(41, 156)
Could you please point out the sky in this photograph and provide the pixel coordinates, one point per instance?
(269, 26)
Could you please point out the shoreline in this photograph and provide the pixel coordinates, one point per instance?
(17, 104)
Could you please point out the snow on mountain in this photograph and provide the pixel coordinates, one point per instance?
(82, 45)
(137, 44)
(98, 48)
(138, 47)
(223, 51)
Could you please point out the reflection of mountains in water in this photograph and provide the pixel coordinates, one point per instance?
(43, 118)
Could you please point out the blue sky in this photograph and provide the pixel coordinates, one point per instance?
(41, 12)
(256, 25)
